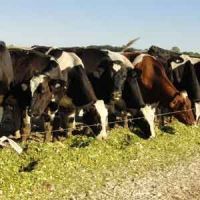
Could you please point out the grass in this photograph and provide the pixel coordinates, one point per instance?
(83, 165)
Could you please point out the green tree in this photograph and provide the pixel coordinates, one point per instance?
(176, 49)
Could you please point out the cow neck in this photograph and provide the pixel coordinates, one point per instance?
(155, 81)
(167, 91)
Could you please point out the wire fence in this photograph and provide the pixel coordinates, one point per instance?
(19, 149)
(118, 121)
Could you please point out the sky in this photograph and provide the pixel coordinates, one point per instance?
(165, 23)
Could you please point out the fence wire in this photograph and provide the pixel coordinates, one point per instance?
(117, 121)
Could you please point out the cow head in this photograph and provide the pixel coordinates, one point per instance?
(166, 57)
(111, 75)
(41, 94)
(131, 92)
(41, 85)
(119, 75)
(181, 105)
(44, 89)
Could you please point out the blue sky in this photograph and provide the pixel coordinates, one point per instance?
(165, 23)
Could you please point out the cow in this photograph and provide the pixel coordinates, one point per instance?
(182, 71)
(197, 70)
(26, 63)
(116, 82)
(6, 73)
(79, 90)
(157, 89)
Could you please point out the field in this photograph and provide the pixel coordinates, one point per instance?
(80, 166)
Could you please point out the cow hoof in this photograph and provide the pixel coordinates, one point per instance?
(17, 134)
(102, 136)
(152, 137)
(48, 129)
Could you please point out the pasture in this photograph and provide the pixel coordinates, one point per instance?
(80, 166)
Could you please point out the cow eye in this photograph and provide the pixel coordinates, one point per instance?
(10, 107)
(24, 86)
(42, 91)
(111, 73)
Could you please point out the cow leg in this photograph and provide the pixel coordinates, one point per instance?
(160, 118)
(55, 121)
(197, 111)
(103, 113)
(1, 107)
(125, 119)
(71, 125)
(149, 114)
(48, 130)
(48, 126)
(17, 134)
(68, 123)
(1, 113)
(26, 126)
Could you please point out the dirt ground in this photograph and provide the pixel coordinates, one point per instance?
(179, 182)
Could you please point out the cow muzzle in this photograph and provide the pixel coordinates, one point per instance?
(32, 113)
(116, 95)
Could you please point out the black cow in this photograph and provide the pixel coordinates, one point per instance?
(26, 63)
(79, 90)
(115, 81)
(6, 73)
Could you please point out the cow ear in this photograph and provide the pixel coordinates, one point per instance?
(53, 63)
(174, 103)
(57, 83)
(138, 72)
(135, 73)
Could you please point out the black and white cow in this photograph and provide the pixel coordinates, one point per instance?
(114, 80)
(26, 63)
(189, 78)
(79, 90)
